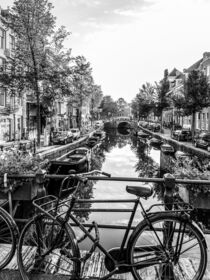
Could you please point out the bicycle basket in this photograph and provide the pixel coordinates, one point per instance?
(52, 206)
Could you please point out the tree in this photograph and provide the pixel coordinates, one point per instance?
(178, 100)
(144, 101)
(96, 98)
(33, 25)
(197, 94)
(162, 90)
(82, 82)
(108, 107)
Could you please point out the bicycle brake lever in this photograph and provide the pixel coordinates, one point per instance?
(106, 174)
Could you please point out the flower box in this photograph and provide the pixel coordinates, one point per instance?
(24, 192)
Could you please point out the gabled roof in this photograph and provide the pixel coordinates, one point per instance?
(195, 66)
(173, 72)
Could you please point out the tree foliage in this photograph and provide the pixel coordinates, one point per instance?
(162, 90)
(38, 61)
(196, 93)
(108, 107)
(144, 101)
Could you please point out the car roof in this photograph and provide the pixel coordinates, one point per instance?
(205, 134)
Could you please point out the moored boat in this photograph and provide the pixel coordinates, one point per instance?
(155, 142)
(142, 134)
(100, 134)
(92, 141)
(75, 161)
(167, 149)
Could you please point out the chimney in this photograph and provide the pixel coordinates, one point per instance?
(206, 55)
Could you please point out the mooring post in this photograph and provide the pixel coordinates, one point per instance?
(39, 179)
(169, 184)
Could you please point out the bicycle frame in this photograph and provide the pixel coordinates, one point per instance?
(69, 216)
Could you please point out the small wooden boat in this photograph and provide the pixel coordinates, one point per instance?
(142, 134)
(155, 142)
(76, 161)
(182, 155)
(100, 134)
(92, 141)
(167, 149)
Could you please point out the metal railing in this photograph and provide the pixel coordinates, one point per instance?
(168, 180)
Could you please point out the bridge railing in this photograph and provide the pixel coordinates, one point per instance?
(39, 179)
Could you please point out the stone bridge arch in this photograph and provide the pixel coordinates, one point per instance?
(120, 122)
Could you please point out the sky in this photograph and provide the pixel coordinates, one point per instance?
(131, 42)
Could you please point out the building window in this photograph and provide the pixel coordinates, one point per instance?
(2, 38)
(2, 64)
(11, 42)
(2, 97)
(59, 107)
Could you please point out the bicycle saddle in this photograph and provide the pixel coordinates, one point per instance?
(142, 191)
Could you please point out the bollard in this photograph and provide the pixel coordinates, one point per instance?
(40, 179)
(169, 184)
(34, 146)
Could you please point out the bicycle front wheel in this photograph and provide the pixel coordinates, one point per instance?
(47, 247)
(169, 248)
(7, 239)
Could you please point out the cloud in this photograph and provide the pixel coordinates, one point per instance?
(88, 15)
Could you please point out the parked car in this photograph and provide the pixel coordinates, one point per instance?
(61, 138)
(76, 133)
(203, 141)
(183, 134)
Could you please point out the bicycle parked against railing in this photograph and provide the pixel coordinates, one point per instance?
(164, 245)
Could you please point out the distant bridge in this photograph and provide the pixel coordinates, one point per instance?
(120, 122)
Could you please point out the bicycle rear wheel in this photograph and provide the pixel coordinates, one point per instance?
(45, 247)
(176, 250)
(7, 238)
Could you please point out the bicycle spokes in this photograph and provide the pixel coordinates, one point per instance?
(182, 253)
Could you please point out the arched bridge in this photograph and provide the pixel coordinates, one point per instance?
(120, 122)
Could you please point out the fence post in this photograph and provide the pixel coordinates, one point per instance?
(169, 184)
(40, 179)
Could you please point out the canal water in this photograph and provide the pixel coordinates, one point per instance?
(122, 155)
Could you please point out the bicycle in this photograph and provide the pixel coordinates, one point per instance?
(161, 246)
(8, 238)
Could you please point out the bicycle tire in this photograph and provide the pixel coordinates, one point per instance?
(8, 236)
(143, 246)
(35, 254)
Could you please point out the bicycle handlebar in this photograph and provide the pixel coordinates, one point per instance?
(93, 172)
(82, 178)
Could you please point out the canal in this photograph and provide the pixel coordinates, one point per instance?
(122, 154)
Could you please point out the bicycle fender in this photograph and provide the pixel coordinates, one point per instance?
(11, 222)
(194, 224)
(201, 232)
